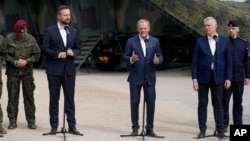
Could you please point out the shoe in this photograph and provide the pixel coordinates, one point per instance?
(215, 133)
(74, 131)
(53, 131)
(32, 125)
(2, 130)
(150, 133)
(12, 125)
(221, 134)
(225, 130)
(134, 132)
(202, 134)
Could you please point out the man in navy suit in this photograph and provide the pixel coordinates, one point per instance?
(61, 45)
(142, 52)
(211, 69)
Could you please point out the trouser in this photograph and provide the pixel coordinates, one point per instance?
(28, 87)
(68, 84)
(150, 96)
(236, 89)
(216, 95)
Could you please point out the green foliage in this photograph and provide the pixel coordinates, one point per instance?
(247, 1)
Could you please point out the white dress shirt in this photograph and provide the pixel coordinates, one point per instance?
(63, 34)
(142, 41)
(212, 45)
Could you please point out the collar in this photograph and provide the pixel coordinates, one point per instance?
(142, 38)
(211, 38)
(59, 26)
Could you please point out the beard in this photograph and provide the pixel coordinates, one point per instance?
(65, 22)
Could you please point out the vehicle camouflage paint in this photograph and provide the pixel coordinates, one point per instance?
(105, 25)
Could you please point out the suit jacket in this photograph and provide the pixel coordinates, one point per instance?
(53, 45)
(203, 59)
(144, 68)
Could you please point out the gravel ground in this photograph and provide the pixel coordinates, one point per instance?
(103, 112)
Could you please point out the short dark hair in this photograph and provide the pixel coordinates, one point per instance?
(61, 7)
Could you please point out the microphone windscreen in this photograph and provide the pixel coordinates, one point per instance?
(215, 38)
(66, 29)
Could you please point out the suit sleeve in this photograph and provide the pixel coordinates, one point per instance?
(46, 46)
(76, 49)
(127, 52)
(159, 52)
(195, 61)
(229, 62)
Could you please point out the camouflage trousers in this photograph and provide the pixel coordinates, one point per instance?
(28, 87)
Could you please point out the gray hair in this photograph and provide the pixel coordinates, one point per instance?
(143, 20)
(210, 18)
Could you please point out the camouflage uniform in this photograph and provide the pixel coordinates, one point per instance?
(1, 85)
(28, 50)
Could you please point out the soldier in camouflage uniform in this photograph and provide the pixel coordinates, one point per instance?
(21, 51)
(2, 130)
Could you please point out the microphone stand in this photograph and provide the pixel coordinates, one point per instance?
(143, 134)
(65, 90)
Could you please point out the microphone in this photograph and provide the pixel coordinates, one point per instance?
(215, 37)
(67, 29)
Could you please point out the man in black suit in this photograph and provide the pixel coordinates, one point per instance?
(61, 45)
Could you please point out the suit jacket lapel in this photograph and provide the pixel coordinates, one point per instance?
(58, 35)
(139, 46)
(207, 47)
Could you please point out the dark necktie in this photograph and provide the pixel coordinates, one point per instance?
(146, 47)
(67, 34)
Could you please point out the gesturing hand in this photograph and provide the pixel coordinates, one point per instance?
(156, 60)
(134, 57)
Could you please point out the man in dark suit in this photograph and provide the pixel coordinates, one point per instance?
(241, 75)
(61, 45)
(142, 52)
(211, 69)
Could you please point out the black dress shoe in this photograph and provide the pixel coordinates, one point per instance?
(134, 132)
(202, 134)
(221, 134)
(32, 126)
(151, 133)
(74, 131)
(12, 125)
(53, 131)
(225, 130)
(215, 133)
